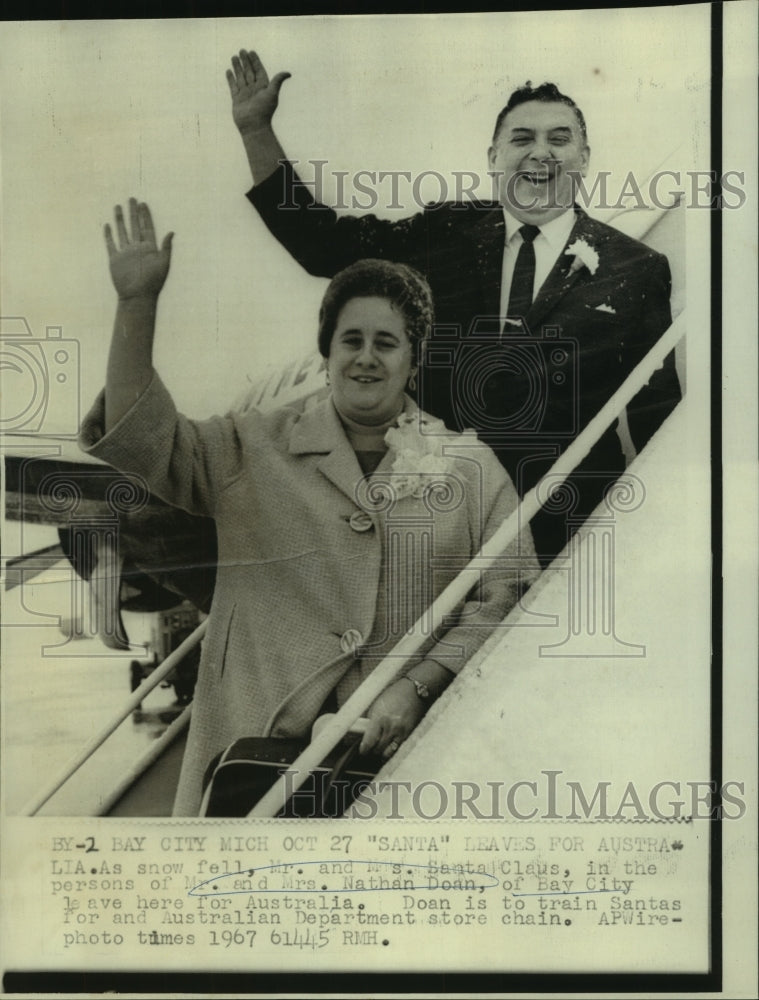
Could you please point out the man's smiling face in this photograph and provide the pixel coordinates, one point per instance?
(538, 149)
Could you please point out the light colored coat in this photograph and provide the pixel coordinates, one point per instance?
(319, 573)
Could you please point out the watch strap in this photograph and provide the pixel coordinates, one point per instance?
(421, 689)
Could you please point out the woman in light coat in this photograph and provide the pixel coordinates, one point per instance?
(339, 520)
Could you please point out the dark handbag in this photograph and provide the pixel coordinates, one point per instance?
(237, 778)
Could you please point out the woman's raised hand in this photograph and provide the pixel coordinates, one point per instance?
(254, 96)
(138, 265)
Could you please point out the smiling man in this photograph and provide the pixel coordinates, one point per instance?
(540, 148)
(539, 152)
(542, 312)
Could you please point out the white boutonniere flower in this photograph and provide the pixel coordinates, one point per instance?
(419, 457)
(584, 256)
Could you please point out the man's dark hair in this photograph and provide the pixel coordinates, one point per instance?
(400, 284)
(546, 93)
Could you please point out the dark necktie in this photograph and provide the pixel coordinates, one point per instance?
(520, 296)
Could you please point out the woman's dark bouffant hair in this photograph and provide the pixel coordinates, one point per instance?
(401, 285)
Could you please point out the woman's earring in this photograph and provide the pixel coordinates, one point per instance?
(326, 377)
(412, 380)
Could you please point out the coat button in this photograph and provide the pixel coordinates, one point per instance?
(360, 521)
(350, 640)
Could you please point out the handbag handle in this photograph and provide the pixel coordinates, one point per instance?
(338, 769)
(346, 758)
(358, 727)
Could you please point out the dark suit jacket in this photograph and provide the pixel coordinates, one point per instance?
(527, 394)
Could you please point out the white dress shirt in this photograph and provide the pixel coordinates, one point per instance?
(548, 245)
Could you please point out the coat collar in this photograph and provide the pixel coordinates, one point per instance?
(319, 431)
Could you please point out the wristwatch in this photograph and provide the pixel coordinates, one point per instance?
(421, 689)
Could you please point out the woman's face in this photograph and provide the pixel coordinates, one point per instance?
(370, 360)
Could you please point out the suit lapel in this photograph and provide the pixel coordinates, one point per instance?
(488, 238)
(488, 243)
(563, 275)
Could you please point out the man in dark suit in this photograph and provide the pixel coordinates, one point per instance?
(541, 311)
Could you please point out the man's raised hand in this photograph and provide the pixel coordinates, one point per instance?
(138, 266)
(254, 96)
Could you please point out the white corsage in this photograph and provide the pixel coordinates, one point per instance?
(419, 457)
(584, 256)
